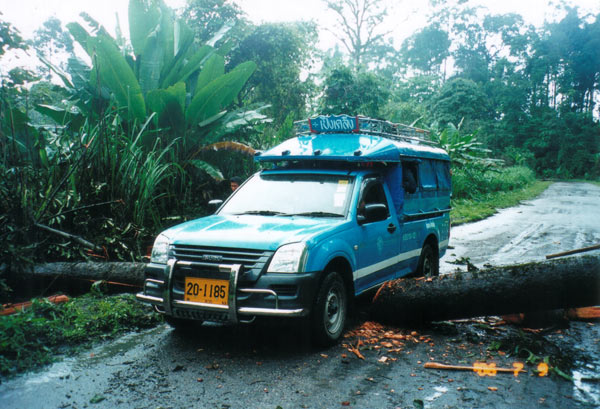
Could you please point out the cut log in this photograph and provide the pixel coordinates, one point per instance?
(566, 283)
(122, 272)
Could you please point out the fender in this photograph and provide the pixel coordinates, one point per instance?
(320, 253)
(439, 227)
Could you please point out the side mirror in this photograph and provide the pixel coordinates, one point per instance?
(373, 212)
(215, 204)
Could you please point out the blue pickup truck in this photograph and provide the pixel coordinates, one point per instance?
(344, 206)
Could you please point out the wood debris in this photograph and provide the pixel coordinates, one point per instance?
(374, 336)
(8, 309)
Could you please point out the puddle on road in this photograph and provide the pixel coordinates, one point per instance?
(59, 370)
(60, 377)
(439, 391)
(586, 384)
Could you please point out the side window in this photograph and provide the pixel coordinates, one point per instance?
(373, 194)
(410, 179)
(442, 171)
(427, 175)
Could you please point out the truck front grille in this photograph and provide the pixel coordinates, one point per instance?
(252, 260)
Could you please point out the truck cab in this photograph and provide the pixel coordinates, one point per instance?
(346, 205)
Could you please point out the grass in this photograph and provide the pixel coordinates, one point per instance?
(35, 337)
(469, 210)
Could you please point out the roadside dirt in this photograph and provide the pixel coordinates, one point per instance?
(269, 366)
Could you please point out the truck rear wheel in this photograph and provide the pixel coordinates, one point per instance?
(330, 310)
(429, 264)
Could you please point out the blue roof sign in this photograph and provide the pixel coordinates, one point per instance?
(333, 123)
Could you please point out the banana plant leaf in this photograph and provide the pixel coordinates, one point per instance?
(117, 75)
(207, 168)
(150, 64)
(62, 116)
(80, 35)
(219, 93)
(213, 69)
(182, 48)
(169, 106)
(144, 17)
(167, 34)
(61, 74)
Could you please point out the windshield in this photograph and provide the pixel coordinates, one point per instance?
(292, 194)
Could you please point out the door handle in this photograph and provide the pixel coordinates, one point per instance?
(391, 228)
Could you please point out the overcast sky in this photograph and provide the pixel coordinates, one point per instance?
(27, 15)
(406, 16)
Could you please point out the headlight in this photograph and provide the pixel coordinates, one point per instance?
(160, 250)
(289, 258)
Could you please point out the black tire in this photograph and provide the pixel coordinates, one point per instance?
(330, 311)
(429, 264)
(180, 324)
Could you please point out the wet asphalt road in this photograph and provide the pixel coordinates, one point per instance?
(268, 366)
(565, 217)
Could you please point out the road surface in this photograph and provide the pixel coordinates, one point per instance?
(269, 366)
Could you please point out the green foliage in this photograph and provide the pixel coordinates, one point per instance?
(282, 52)
(207, 17)
(108, 156)
(10, 38)
(33, 337)
(51, 42)
(352, 93)
(114, 72)
(471, 184)
(566, 146)
(484, 205)
(465, 150)
(427, 49)
(460, 101)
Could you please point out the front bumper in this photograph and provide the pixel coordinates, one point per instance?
(276, 295)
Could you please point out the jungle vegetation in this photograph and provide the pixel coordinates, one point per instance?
(125, 135)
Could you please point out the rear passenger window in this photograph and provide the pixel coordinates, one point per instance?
(410, 181)
(427, 175)
(442, 171)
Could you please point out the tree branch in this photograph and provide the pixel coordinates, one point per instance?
(69, 236)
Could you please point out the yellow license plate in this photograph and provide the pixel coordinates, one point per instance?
(206, 290)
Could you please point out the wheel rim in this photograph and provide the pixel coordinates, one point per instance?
(334, 310)
(427, 266)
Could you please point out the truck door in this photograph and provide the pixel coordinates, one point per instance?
(379, 237)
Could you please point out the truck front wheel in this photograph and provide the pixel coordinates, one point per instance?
(330, 310)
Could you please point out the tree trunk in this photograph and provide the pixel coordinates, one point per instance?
(122, 272)
(570, 282)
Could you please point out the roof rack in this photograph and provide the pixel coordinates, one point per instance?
(361, 124)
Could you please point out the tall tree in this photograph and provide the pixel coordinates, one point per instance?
(427, 49)
(361, 25)
(348, 92)
(461, 100)
(207, 17)
(283, 53)
(53, 44)
(10, 38)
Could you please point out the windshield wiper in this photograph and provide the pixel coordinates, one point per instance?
(318, 214)
(262, 213)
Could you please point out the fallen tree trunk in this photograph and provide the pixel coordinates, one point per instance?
(122, 272)
(570, 282)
